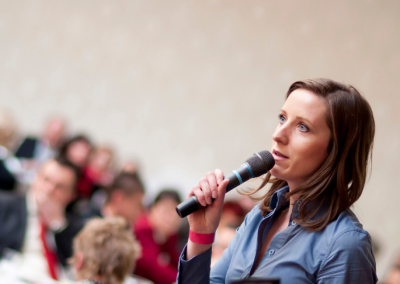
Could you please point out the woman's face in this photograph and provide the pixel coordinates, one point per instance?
(301, 139)
(78, 153)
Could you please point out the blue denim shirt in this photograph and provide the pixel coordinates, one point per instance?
(340, 253)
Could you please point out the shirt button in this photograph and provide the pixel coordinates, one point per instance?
(271, 252)
(293, 223)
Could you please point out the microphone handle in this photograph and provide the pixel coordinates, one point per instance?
(236, 178)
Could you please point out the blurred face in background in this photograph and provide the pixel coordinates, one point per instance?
(164, 217)
(78, 153)
(129, 167)
(54, 132)
(101, 159)
(128, 206)
(55, 182)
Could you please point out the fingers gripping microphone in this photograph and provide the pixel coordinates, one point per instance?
(258, 164)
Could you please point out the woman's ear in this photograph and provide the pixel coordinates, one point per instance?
(79, 260)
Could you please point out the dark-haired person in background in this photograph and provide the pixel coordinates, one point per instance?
(303, 231)
(123, 198)
(77, 150)
(37, 226)
(157, 231)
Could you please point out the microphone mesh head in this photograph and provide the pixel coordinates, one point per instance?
(260, 163)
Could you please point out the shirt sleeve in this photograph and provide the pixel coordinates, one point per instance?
(197, 269)
(349, 260)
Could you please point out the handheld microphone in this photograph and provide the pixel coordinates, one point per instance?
(258, 164)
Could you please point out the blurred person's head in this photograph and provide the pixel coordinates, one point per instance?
(54, 131)
(130, 167)
(232, 215)
(7, 128)
(57, 179)
(104, 250)
(77, 150)
(101, 158)
(394, 275)
(162, 214)
(124, 197)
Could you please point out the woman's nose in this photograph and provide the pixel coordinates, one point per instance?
(281, 134)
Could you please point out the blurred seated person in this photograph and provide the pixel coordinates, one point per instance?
(123, 198)
(98, 170)
(8, 162)
(394, 275)
(34, 151)
(132, 167)
(231, 218)
(37, 226)
(157, 231)
(77, 150)
(104, 252)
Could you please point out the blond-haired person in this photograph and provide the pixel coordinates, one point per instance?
(104, 251)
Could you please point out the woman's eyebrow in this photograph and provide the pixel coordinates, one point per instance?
(299, 118)
(302, 118)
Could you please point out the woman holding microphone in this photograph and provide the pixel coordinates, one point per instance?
(303, 230)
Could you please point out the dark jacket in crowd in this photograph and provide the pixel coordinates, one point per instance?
(13, 224)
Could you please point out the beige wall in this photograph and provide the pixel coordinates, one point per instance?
(187, 86)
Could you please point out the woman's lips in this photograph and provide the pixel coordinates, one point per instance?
(278, 156)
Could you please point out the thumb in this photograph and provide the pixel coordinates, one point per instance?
(219, 201)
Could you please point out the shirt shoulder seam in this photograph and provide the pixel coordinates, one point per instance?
(334, 241)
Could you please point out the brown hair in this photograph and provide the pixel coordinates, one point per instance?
(340, 180)
(125, 182)
(108, 250)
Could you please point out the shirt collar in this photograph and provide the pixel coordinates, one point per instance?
(278, 200)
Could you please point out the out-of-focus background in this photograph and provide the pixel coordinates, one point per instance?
(183, 87)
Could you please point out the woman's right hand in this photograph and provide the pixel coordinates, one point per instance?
(206, 219)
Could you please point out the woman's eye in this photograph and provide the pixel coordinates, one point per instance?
(303, 128)
(281, 119)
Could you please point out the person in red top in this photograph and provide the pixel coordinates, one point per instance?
(157, 231)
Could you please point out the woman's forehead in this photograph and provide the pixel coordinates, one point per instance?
(305, 104)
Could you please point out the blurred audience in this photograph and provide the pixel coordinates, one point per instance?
(99, 169)
(104, 251)
(77, 150)
(394, 275)
(123, 198)
(9, 165)
(7, 129)
(34, 151)
(36, 224)
(157, 231)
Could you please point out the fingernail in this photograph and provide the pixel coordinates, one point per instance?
(214, 194)
(209, 201)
